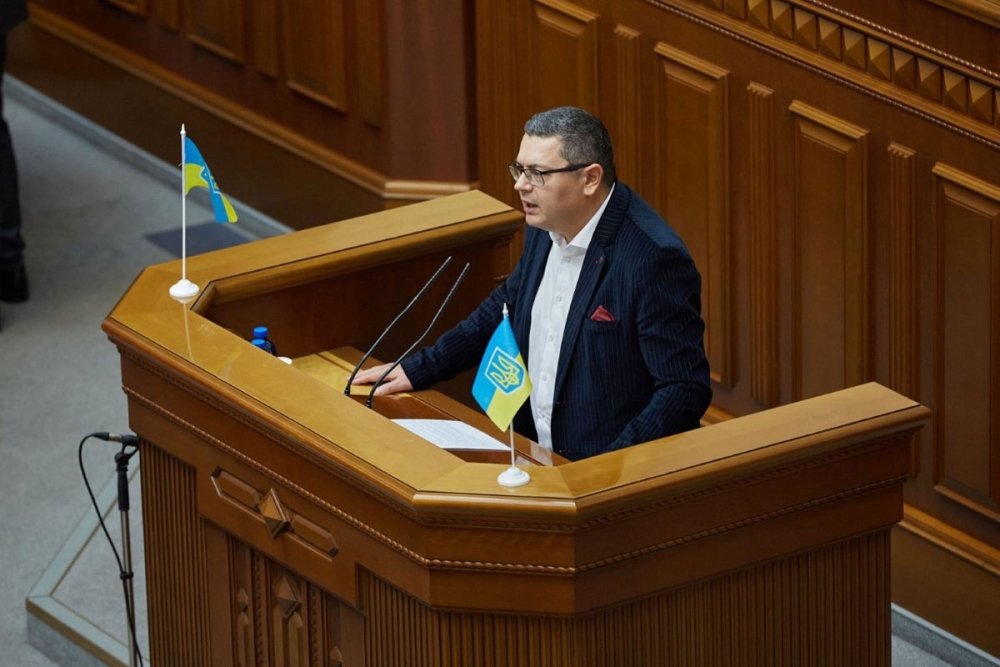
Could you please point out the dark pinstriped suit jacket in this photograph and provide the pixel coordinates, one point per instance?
(642, 376)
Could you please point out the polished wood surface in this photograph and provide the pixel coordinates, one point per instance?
(834, 167)
(285, 523)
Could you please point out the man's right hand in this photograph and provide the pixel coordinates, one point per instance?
(394, 382)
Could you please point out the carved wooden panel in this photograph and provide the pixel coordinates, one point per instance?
(967, 465)
(831, 268)
(175, 561)
(314, 50)
(764, 268)
(628, 126)
(564, 37)
(264, 33)
(217, 26)
(692, 170)
(903, 270)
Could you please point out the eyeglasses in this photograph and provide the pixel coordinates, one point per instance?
(536, 177)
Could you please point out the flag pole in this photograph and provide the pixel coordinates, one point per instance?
(513, 476)
(183, 288)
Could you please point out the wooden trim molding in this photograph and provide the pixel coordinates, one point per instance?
(987, 11)
(903, 270)
(764, 370)
(938, 532)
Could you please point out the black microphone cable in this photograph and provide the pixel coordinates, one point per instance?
(371, 350)
(451, 292)
(126, 442)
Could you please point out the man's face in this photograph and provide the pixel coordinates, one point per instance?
(560, 205)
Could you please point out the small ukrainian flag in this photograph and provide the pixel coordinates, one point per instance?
(502, 384)
(197, 175)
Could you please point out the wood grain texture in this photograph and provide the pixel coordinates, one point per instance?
(267, 465)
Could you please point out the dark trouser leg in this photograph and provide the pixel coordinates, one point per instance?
(11, 243)
(13, 281)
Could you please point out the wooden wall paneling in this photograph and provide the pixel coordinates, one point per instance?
(967, 461)
(168, 13)
(501, 94)
(315, 53)
(903, 271)
(264, 24)
(370, 61)
(564, 38)
(628, 121)
(218, 27)
(831, 269)
(136, 7)
(692, 166)
(763, 259)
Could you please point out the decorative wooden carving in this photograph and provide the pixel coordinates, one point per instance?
(692, 170)
(831, 265)
(967, 464)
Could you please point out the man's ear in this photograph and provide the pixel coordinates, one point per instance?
(592, 176)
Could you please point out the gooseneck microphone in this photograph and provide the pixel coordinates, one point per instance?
(416, 297)
(451, 292)
(125, 439)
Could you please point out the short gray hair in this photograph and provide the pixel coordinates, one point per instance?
(585, 139)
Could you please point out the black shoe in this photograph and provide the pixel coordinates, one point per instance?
(13, 284)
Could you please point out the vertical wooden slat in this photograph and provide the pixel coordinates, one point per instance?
(764, 267)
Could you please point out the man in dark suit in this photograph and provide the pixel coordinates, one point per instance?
(604, 302)
(13, 278)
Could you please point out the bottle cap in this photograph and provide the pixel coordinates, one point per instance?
(260, 332)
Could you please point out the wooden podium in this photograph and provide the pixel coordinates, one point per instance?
(287, 524)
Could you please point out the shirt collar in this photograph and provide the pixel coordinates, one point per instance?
(584, 236)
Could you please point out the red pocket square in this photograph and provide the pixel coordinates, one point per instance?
(601, 314)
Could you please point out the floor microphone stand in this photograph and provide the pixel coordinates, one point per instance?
(121, 466)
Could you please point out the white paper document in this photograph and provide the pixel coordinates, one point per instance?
(451, 434)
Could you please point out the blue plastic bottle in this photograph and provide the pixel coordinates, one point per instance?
(262, 333)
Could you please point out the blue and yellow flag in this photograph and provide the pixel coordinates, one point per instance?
(197, 175)
(502, 384)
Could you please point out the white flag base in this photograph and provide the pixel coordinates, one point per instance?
(513, 476)
(183, 288)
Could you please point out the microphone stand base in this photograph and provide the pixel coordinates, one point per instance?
(513, 476)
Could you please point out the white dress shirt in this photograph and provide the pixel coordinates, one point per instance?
(548, 319)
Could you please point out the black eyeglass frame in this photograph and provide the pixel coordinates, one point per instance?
(530, 172)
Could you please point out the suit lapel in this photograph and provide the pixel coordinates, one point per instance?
(595, 264)
(537, 246)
